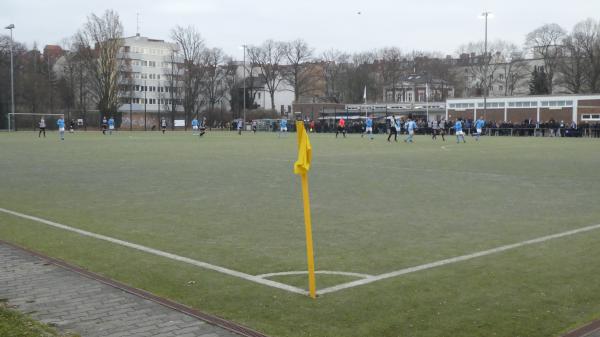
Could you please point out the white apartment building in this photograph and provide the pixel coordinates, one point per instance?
(151, 64)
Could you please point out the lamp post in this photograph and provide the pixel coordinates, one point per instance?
(244, 108)
(485, 14)
(12, 85)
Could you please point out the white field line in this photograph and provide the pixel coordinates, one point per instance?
(157, 252)
(366, 279)
(454, 260)
(324, 272)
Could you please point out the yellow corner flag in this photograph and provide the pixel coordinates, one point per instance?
(301, 167)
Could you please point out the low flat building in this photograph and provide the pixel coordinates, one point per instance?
(567, 108)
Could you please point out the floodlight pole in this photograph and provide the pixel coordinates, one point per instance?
(244, 108)
(12, 81)
(485, 69)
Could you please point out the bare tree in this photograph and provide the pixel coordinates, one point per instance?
(585, 38)
(191, 48)
(268, 58)
(301, 73)
(99, 42)
(572, 68)
(390, 68)
(482, 66)
(214, 86)
(335, 63)
(359, 74)
(546, 41)
(173, 76)
(513, 67)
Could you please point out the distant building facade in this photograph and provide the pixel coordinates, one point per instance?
(516, 109)
(150, 94)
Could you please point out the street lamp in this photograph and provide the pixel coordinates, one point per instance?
(244, 109)
(485, 14)
(12, 85)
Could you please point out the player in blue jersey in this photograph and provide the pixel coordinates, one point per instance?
(479, 127)
(282, 126)
(411, 126)
(61, 127)
(194, 126)
(111, 125)
(459, 131)
(368, 127)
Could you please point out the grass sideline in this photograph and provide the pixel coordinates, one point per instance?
(233, 201)
(16, 324)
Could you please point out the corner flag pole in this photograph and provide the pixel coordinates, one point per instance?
(301, 168)
(312, 288)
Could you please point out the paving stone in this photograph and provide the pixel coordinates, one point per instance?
(74, 303)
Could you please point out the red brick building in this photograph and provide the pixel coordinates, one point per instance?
(567, 108)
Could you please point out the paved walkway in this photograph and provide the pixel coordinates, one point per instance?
(76, 303)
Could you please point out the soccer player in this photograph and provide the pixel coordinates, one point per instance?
(479, 126)
(61, 127)
(42, 125)
(194, 126)
(163, 125)
(394, 128)
(368, 127)
(203, 127)
(459, 131)
(341, 128)
(72, 126)
(434, 129)
(111, 125)
(411, 126)
(104, 125)
(254, 126)
(240, 125)
(282, 126)
(442, 129)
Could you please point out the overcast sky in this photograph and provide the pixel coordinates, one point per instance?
(427, 25)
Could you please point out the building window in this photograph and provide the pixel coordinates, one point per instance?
(151, 64)
(500, 87)
(144, 76)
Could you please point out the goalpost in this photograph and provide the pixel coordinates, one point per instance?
(26, 120)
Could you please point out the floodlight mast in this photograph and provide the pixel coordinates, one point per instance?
(485, 14)
(12, 81)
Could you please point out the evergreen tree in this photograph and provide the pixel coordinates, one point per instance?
(538, 84)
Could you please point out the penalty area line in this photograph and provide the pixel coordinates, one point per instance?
(201, 264)
(452, 260)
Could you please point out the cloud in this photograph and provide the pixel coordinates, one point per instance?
(188, 7)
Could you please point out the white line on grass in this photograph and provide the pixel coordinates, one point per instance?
(149, 250)
(454, 260)
(366, 279)
(324, 272)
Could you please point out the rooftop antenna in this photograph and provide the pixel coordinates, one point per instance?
(137, 32)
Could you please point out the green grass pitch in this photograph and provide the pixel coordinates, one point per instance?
(233, 201)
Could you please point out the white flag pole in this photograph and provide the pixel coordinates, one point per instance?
(365, 102)
(427, 100)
